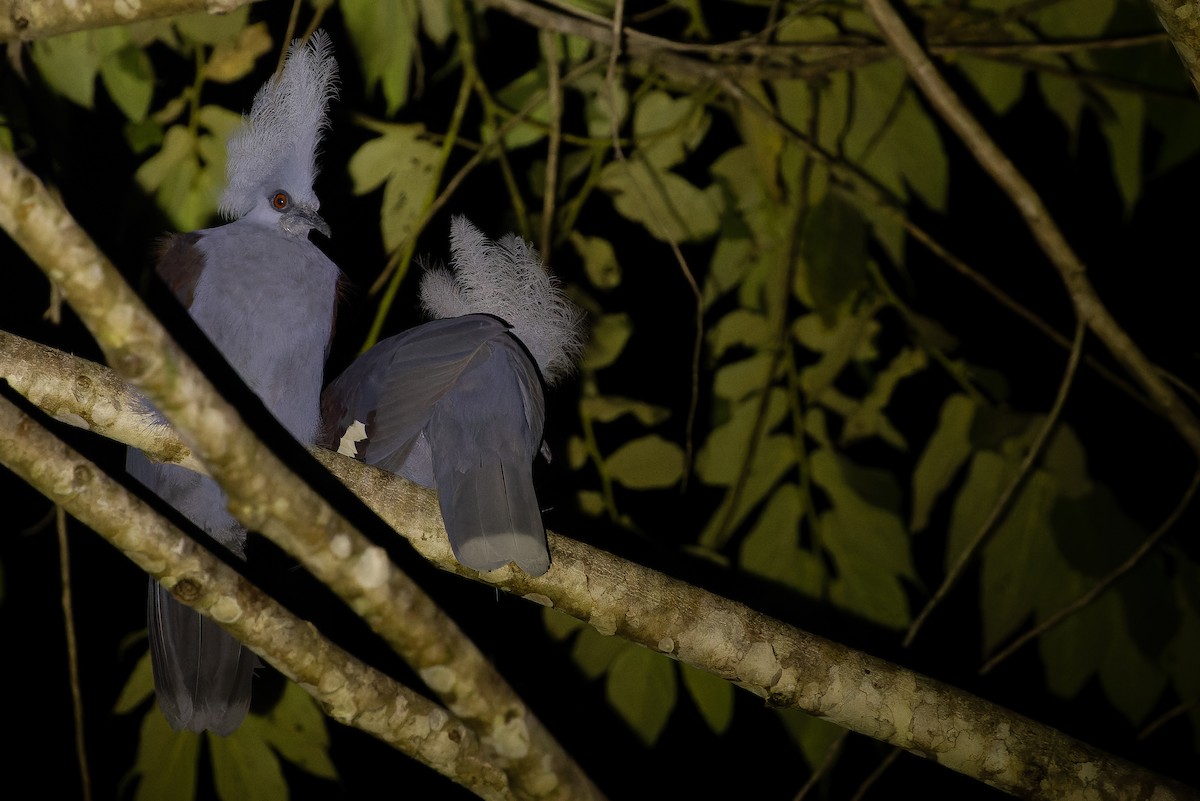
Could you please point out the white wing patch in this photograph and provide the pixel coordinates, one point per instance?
(356, 432)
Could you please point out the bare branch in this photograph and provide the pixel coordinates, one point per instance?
(348, 690)
(1181, 21)
(1037, 218)
(38, 19)
(782, 664)
(267, 497)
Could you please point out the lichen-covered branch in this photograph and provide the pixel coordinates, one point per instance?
(1181, 20)
(349, 691)
(88, 396)
(267, 497)
(784, 665)
(38, 19)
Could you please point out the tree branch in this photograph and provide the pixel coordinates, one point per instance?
(265, 496)
(1037, 218)
(348, 690)
(1181, 20)
(38, 19)
(780, 663)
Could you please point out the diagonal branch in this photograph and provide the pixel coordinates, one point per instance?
(1009, 493)
(348, 690)
(1037, 218)
(782, 664)
(265, 495)
(39, 19)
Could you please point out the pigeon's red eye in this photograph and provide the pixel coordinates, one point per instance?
(280, 201)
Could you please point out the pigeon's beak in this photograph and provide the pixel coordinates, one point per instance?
(302, 220)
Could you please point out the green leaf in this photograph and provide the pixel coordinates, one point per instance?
(129, 80)
(712, 694)
(185, 188)
(1131, 681)
(834, 246)
(649, 462)
(166, 761)
(516, 95)
(850, 340)
(212, 29)
(594, 652)
(384, 33)
(863, 583)
(945, 453)
(1073, 650)
(720, 458)
(998, 83)
(642, 688)
(233, 60)
(591, 503)
(813, 735)
(893, 138)
(408, 163)
(669, 206)
(606, 408)
(1065, 97)
(599, 105)
(745, 378)
(69, 63)
(740, 327)
(559, 624)
(244, 766)
(599, 260)
(866, 538)
(666, 129)
(1177, 123)
(138, 688)
(435, 20)
(1073, 19)
(295, 727)
(1123, 127)
(772, 550)
(730, 260)
(1017, 557)
(868, 419)
(775, 458)
(610, 333)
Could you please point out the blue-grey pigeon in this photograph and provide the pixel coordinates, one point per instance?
(456, 403)
(265, 295)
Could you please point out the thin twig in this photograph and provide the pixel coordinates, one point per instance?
(1037, 218)
(1166, 717)
(874, 775)
(286, 44)
(1103, 584)
(1000, 508)
(852, 180)
(553, 144)
(698, 296)
(64, 552)
(827, 763)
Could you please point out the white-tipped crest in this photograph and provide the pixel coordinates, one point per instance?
(507, 279)
(276, 147)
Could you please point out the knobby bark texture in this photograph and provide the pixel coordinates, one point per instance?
(37, 19)
(348, 690)
(265, 495)
(778, 662)
(1181, 20)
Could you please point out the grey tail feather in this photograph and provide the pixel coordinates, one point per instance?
(202, 674)
(492, 518)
